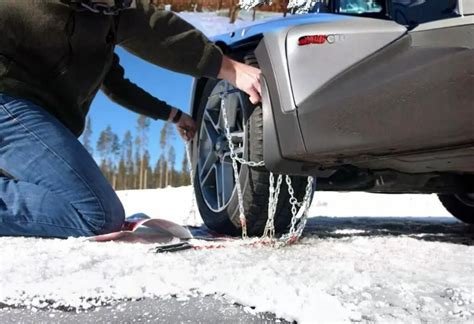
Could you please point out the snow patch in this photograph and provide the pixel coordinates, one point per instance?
(174, 204)
(212, 23)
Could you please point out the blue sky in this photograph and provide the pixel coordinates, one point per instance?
(172, 87)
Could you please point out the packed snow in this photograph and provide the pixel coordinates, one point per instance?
(400, 262)
(213, 24)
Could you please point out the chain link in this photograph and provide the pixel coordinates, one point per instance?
(249, 163)
(274, 193)
(192, 217)
(294, 204)
(296, 230)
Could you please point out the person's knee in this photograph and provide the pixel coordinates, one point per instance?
(103, 214)
(114, 214)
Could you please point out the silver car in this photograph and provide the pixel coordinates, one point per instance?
(374, 96)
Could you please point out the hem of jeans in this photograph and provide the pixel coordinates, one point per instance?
(49, 224)
(57, 156)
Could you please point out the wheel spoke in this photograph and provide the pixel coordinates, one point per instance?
(227, 183)
(211, 133)
(207, 164)
(213, 103)
(226, 158)
(219, 187)
(239, 150)
(207, 180)
(211, 119)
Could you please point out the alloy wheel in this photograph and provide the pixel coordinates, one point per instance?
(214, 165)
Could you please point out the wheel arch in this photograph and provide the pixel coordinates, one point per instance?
(236, 51)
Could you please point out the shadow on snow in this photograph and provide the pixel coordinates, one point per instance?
(435, 229)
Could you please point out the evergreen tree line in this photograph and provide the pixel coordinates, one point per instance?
(125, 162)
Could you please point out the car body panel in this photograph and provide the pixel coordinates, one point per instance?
(381, 97)
(403, 98)
(466, 7)
(343, 44)
(274, 25)
(409, 94)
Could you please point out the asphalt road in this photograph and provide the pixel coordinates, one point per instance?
(195, 310)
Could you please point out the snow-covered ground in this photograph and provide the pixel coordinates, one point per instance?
(401, 267)
(213, 24)
(324, 204)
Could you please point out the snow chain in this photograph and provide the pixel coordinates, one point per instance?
(192, 212)
(235, 158)
(299, 210)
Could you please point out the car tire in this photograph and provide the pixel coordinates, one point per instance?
(254, 181)
(460, 206)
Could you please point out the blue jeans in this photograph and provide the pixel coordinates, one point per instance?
(50, 186)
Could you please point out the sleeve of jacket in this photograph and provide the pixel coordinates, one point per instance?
(129, 95)
(164, 39)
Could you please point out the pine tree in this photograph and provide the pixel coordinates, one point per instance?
(143, 124)
(103, 146)
(163, 142)
(149, 174)
(234, 11)
(127, 151)
(164, 164)
(109, 149)
(184, 177)
(171, 163)
(145, 162)
(176, 178)
(114, 147)
(138, 145)
(136, 171)
(113, 156)
(122, 174)
(156, 174)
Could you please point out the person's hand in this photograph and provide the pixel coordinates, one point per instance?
(186, 126)
(242, 76)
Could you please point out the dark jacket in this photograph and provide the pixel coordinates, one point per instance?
(59, 57)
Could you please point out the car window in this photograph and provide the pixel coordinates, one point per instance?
(414, 12)
(405, 12)
(360, 6)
